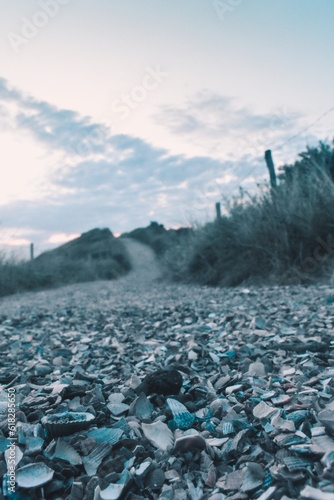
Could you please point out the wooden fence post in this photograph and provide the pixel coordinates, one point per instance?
(218, 210)
(271, 168)
(31, 251)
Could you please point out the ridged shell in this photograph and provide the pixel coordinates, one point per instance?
(159, 435)
(183, 418)
(297, 416)
(93, 461)
(67, 452)
(33, 475)
(296, 463)
(226, 428)
(66, 423)
(106, 434)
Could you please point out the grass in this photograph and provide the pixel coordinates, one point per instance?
(96, 255)
(278, 236)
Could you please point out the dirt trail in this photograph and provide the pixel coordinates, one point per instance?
(145, 267)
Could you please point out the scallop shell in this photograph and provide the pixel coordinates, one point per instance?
(66, 423)
(226, 428)
(182, 417)
(296, 463)
(33, 475)
(159, 435)
(106, 434)
(93, 461)
(67, 452)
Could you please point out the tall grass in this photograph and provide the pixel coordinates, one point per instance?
(272, 237)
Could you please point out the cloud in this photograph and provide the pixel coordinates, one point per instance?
(119, 181)
(217, 121)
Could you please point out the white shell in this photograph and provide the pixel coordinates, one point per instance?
(114, 490)
(93, 461)
(67, 452)
(9, 456)
(33, 475)
(106, 434)
(159, 435)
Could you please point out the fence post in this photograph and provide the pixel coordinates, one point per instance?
(271, 168)
(31, 251)
(218, 210)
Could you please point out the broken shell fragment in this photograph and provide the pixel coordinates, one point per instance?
(182, 417)
(190, 442)
(159, 435)
(115, 490)
(155, 479)
(33, 475)
(106, 434)
(66, 423)
(66, 452)
(93, 461)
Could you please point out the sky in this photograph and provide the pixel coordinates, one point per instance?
(117, 113)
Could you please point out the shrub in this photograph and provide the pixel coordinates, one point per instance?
(271, 237)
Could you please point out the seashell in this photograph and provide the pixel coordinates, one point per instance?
(226, 428)
(281, 400)
(216, 441)
(254, 477)
(296, 463)
(116, 397)
(315, 494)
(33, 445)
(67, 452)
(66, 423)
(159, 435)
(183, 418)
(318, 431)
(267, 395)
(93, 461)
(33, 475)
(155, 479)
(326, 417)
(117, 409)
(190, 442)
(297, 416)
(106, 434)
(143, 468)
(115, 490)
(11, 454)
(141, 407)
(262, 410)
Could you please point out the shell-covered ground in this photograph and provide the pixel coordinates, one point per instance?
(140, 389)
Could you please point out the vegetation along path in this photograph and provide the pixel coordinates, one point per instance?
(257, 366)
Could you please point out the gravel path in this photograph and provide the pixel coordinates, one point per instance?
(257, 367)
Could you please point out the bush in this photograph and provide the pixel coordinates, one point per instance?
(96, 255)
(276, 236)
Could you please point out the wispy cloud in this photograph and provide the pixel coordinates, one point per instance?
(121, 181)
(219, 122)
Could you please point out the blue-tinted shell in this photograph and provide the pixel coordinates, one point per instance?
(182, 417)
